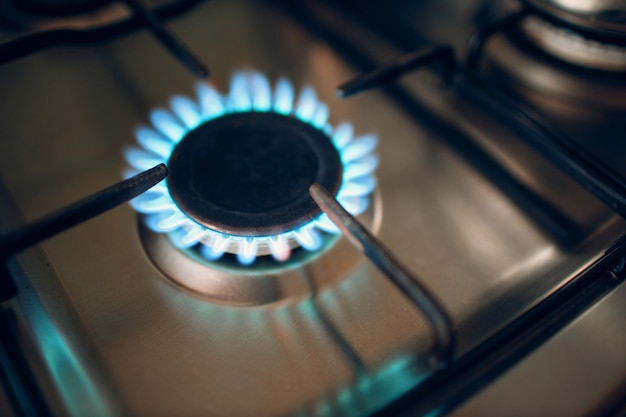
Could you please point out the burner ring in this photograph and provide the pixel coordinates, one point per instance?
(248, 174)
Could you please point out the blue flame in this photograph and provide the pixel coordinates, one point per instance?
(249, 91)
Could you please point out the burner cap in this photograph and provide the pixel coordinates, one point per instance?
(248, 174)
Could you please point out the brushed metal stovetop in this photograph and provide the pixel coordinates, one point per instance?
(112, 335)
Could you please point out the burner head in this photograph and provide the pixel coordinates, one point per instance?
(248, 174)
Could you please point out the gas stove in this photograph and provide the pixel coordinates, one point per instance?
(447, 241)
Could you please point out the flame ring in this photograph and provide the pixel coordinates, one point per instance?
(249, 91)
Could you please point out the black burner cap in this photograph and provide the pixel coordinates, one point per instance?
(249, 174)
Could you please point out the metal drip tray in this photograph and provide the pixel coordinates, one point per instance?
(122, 338)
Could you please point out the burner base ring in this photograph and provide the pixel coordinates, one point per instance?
(225, 281)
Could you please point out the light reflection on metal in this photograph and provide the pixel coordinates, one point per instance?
(82, 395)
(249, 92)
(304, 330)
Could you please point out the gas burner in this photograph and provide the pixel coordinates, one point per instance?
(571, 46)
(519, 64)
(240, 169)
(599, 18)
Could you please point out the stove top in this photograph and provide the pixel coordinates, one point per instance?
(116, 315)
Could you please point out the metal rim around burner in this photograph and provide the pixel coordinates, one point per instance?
(248, 174)
(570, 46)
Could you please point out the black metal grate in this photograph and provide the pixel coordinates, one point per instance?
(153, 18)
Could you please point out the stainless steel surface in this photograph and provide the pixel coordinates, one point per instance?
(5, 406)
(607, 17)
(580, 372)
(354, 343)
(169, 40)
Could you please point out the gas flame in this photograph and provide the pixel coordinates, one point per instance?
(249, 91)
